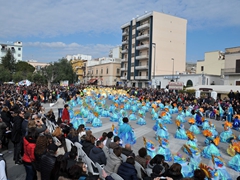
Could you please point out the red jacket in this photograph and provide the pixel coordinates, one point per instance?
(65, 115)
(28, 146)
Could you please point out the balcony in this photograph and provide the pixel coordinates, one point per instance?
(144, 26)
(125, 33)
(145, 46)
(141, 67)
(144, 36)
(124, 51)
(4, 49)
(124, 78)
(125, 42)
(230, 71)
(141, 77)
(123, 69)
(123, 60)
(142, 57)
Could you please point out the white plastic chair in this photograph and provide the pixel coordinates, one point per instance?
(69, 144)
(90, 165)
(81, 153)
(116, 176)
(139, 169)
(100, 169)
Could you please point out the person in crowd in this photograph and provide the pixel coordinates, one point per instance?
(141, 158)
(109, 138)
(50, 116)
(65, 114)
(3, 168)
(6, 116)
(72, 157)
(17, 136)
(48, 161)
(72, 135)
(39, 151)
(60, 168)
(114, 161)
(97, 154)
(199, 174)
(127, 150)
(174, 171)
(157, 171)
(27, 117)
(127, 170)
(115, 143)
(60, 104)
(3, 129)
(88, 144)
(81, 131)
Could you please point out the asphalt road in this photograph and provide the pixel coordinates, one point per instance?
(17, 172)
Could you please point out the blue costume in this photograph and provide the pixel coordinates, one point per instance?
(225, 135)
(234, 162)
(210, 150)
(205, 124)
(96, 122)
(236, 123)
(162, 132)
(164, 150)
(132, 117)
(220, 169)
(194, 128)
(181, 118)
(126, 134)
(141, 121)
(181, 133)
(187, 170)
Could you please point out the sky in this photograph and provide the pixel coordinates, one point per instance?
(52, 29)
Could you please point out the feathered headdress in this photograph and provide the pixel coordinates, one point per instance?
(95, 114)
(206, 170)
(190, 135)
(185, 146)
(112, 127)
(178, 123)
(166, 109)
(180, 108)
(207, 133)
(174, 104)
(218, 158)
(216, 141)
(121, 106)
(144, 141)
(236, 147)
(227, 124)
(116, 105)
(160, 140)
(163, 114)
(191, 121)
(154, 106)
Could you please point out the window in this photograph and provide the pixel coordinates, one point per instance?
(140, 73)
(107, 71)
(133, 36)
(96, 71)
(101, 71)
(19, 49)
(19, 55)
(133, 46)
(118, 71)
(131, 73)
(132, 64)
(133, 54)
(202, 68)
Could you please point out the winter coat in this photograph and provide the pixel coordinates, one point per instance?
(6, 117)
(128, 152)
(3, 127)
(127, 171)
(47, 165)
(141, 161)
(29, 145)
(17, 129)
(113, 163)
(59, 103)
(87, 146)
(173, 175)
(97, 155)
(65, 115)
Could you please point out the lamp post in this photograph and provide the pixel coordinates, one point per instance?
(173, 70)
(154, 60)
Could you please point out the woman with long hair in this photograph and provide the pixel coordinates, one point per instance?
(40, 149)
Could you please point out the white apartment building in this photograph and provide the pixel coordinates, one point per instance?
(16, 49)
(78, 56)
(116, 52)
(152, 44)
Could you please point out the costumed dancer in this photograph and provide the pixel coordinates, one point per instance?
(198, 118)
(166, 117)
(186, 170)
(115, 116)
(175, 108)
(205, 124)
(230, 113)
(212, 129)
(234, 163)
(126, 133)
(114, 130)
(141, 121)
(162, 132)
(132, 116)
(149, 145)
(163, 149)
(220, 168)
(105, 112)
(212, 148)
(96, 121)
(180, 133)
(227, 133)
(208, 134)
(232, 142)
(193, 127)
(236, 122)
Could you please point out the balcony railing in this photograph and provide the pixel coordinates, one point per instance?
(124, 77)
(123, 60)
(4, 50)
(144, 26)
(141, 67)
(141, 77)
(142, 57)
(230, 71)
(125, 42)
(145, 46)
(124, 33)
(124, 51)
(123, 69)
(141, 37)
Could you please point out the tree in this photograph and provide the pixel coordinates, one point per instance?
(5, 74)
(24, 67)
(8, 61)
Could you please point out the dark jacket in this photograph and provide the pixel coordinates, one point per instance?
(97, 155)
(87, 146)
(38, 158)
(127, 171)
(24, 127)
(17, 129)
(2, 129)
(6, 117)
(113, 145)
(128, 152)
(173, 175)
(47, 165)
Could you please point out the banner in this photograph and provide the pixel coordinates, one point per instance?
(64, 83)
(175, 85)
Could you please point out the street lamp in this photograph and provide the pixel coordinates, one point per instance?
(154, 46)
(173, 70)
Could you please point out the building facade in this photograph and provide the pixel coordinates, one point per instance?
(37, 65)
(78, 56)
(213, 63)
(104, 71)
(79, 68)
(231, 71)
(152, 44)
(116, 52)
(16, 49)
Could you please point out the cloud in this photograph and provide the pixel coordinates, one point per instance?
(26, 18)
(52, 51)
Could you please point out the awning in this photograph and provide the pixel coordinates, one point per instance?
(92, 80)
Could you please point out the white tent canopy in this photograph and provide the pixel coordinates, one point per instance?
(24, 83)
(218, 88)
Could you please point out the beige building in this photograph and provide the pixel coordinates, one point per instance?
(105, 71)
(212, 64)
(231, 71)
(152, 44)
(37, 65)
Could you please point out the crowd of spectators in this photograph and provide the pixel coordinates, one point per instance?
(46, 155)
